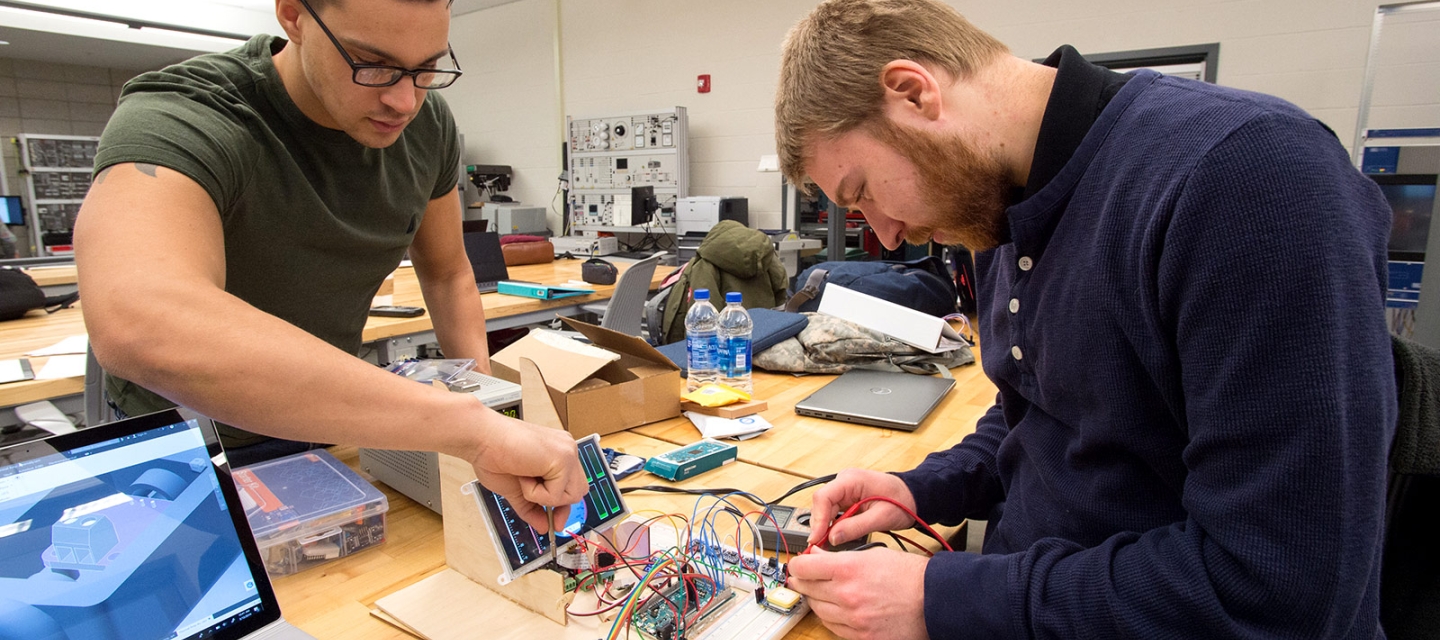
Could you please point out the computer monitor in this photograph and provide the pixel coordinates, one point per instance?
(11, 212)
(1412, 201)
(643, 204)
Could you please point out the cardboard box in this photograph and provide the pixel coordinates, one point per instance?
(595, 395)
(915, 328)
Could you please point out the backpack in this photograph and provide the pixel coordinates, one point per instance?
(19, 294)
(830, 345)
(731, 258)
(924, 285)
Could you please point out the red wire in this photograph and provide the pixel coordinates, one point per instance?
(912, 543)
(767, 514)
(856, 507)
(596, 612)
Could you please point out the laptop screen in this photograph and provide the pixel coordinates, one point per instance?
(486, 259)
(129, 536)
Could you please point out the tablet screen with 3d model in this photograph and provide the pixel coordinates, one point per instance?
(131, 537)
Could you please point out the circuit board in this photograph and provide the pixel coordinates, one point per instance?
(656, 618)
(740, 618)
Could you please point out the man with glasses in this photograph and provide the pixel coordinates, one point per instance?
(247, 206)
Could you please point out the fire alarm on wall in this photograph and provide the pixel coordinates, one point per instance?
(702, 84)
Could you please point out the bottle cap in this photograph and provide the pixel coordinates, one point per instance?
(733, 297)
(702, 294)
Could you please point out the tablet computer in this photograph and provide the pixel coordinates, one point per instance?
(521, 548)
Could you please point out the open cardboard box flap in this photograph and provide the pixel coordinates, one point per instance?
(563, 370)
(617, 342)
(593, 394)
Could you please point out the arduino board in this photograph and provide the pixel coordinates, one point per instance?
(692, 460)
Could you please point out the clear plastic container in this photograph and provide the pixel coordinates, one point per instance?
(735, 327)
(701, 339)
(450, 372)
(308, 509)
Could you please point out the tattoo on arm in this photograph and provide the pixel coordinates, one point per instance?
(100, 177)
(145, 168)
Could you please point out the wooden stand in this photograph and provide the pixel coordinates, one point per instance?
(468, 547)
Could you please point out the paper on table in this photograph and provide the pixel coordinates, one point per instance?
(71, 345)
(739, 428)
(14, 370)
(57, 367)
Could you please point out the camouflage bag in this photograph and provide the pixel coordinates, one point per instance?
(831, 345)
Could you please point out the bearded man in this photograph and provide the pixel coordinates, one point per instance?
(1181, 302)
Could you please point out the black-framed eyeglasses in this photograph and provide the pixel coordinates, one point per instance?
(380, 75)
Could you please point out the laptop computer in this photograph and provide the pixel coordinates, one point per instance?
(877, 398)
(131, 530)
(483, 248)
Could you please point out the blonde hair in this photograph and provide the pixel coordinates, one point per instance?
(831, 62)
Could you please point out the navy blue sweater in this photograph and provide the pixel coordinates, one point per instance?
(1196, 390)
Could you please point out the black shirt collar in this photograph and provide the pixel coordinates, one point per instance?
(1080, 93)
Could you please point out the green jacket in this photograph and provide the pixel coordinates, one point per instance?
(732, 258)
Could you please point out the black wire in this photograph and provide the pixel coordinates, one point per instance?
(698, 492)
(868, 545)
(897, 540)
(803, 486)
(630, 537)
(933, 536)
(745, 494)
(621, 558)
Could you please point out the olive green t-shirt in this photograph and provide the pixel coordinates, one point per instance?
(313, 220)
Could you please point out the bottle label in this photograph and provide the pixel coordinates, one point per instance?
(701, 350)
(736, 356)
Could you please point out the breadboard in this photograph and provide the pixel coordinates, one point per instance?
(743, 618)
(428, 609)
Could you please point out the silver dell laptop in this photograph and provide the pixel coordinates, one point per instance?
(130, 530)
(877, 398)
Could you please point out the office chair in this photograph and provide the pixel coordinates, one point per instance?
(1410, 574)
(626, 307)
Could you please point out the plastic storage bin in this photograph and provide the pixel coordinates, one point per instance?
(308, 509)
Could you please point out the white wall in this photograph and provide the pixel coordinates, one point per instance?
(628, 55)
(1310, 52)
(507, 104)
(643, 54)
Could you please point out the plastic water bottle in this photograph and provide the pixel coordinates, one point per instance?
(701, 324)
(735, 329)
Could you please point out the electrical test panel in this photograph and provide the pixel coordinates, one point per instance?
(610, 155)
